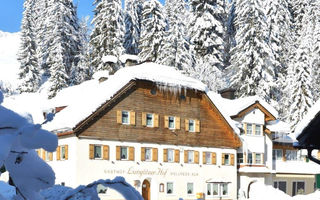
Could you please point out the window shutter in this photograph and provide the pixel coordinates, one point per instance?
(131, 153)
(165, 155)
(154, 154)
(91, 151)
(177, 123)
(245, 128)
(50, 156)
(262, 158)
(105, 152)
(118, 153)
(185, 156)
(43, 154)
(232, 159)
(66, 152)
(204, 160)
(284, 155)
(132, 118)
(144, 119)
(166, 121)
(223, 159)
(143, 154)
(186, 124)
(177, 156)
(197, 126)
(262, 133)
(253, 158)
(196, 157)
(244, 158)
(253, 129)
(156, 120)
(58, 153)
(119, 116)
(213, 158)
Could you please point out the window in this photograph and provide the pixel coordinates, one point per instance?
(124, 153)
(258, 129)
(297, 187)
(191, 125)
(277, 154)
(148, 154)
(281, 185)
(63, 152)
(170, 155)
(208, 158)
(249, 158)
(190, 156)
(171, 122)
(226, 159)
(47, 155)
(101, 189)
(217, 189)
(240, 157)
(291, 154)
(125, 117)
(258, 158)
(249, 129)
(149, 120)
(189, 188)
(97, 152)
(169, 188)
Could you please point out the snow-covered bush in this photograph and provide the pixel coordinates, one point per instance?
(19, 138)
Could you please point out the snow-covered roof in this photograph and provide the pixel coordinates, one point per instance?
(123, 58)
(312, 113)
(89, 96)
(278, 126)
(100, 74)
(109, 58)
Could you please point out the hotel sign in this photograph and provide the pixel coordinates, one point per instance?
(149, 172)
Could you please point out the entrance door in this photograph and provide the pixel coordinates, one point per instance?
(146, 190)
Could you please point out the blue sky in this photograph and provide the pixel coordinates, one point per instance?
(11, 13)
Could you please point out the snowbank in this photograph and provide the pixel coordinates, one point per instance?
(6, 191)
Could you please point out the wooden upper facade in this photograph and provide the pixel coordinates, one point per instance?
(139, 98)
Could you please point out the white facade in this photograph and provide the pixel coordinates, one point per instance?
(78, 169)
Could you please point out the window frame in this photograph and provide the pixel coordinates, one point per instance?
(94, 152)
(275, 154)
(145, 154)
(167, 183)
(238, 158)
(63, 152)
(192, 192)
(128, 114)
(259, 130)
(247, 131)
(190, 155)
(127, 149)
(170, 150)
(219, 189)
(290, 156)
(194, 125)
(250, 157)
(152, 120)
(260, 162)
(210, 158)
(278, 184)
(295, 190)
(227, 157)
(174, 122)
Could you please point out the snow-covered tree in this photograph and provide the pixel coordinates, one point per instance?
(175, 50)
(63, 44)
(152, 31)
(29, 71)
(252, 69)
(133, 17)
(206, 31)
(301, 91)
(108, 34)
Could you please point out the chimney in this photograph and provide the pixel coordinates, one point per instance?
(228, 93)
(129, 60)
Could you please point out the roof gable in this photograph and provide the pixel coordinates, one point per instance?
(256, 105)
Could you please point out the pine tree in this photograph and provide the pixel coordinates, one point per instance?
(29, 72)
(252, 61)
(133, 17)
(152, 31)
(63, 44)
(207, 31)
(175, 45)
(108, 34)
